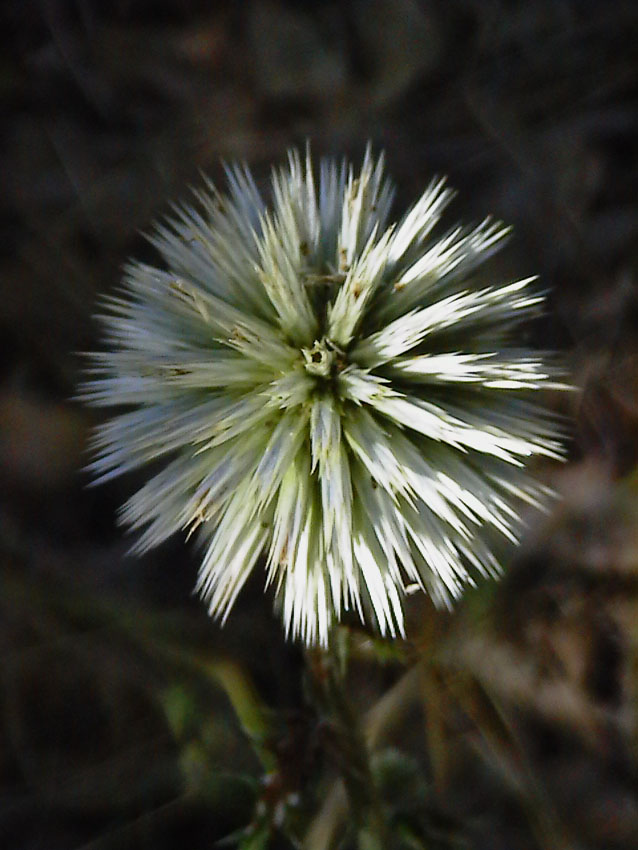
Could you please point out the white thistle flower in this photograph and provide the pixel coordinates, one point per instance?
(327, 389)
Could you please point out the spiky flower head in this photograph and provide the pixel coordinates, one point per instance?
(329, 390)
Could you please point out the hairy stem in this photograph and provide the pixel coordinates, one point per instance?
(329, 695)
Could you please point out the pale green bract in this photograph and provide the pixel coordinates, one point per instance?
(328, 390)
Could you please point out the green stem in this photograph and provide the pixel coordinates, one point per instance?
(327, 675)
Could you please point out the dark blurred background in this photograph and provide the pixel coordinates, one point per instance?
(117, 726)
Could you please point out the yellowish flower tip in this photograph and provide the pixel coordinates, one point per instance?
(326, 388)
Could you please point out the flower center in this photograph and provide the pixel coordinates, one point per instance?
(323, 359)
